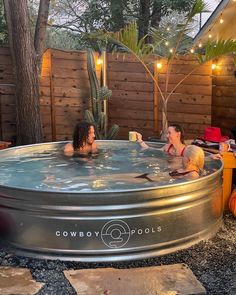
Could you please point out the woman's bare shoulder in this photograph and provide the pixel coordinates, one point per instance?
(68, 148)
(166, 147)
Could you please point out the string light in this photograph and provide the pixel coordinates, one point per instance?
(171, 50)
(99, 61)
(221, 19)
(210, 36)
(200, 45)
(159, 65)
(192, 50)
(166, 43)
(168, 29)
(213, 66)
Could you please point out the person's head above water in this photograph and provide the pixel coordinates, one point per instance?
(84, 134)
(193, 158)
(175, 134)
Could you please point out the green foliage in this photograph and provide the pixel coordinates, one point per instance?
(128, 37)
(3, 26)
(98, 94)
(216, 49)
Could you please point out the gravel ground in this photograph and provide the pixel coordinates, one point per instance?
(213, 262)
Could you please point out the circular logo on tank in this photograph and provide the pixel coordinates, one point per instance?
(115, 233)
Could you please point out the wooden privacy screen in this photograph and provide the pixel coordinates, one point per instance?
(7, 99)
(224, 95)
(65, 92)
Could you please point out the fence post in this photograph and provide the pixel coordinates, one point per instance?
(52, 96)
(155, 99)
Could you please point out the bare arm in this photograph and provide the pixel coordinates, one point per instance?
(141, 142)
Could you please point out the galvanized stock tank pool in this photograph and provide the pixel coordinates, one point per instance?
(119, 204)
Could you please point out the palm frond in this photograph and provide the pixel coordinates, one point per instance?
(198, 7)
(216, 49)
(128, 38)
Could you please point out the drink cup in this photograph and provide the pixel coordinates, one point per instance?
(223, 147)
(132, 136)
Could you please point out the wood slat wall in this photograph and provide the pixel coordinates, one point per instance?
(132, 100)
(65, 91)
(224, 95)
(7, 99)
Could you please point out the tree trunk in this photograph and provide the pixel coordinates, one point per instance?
(143, 18)
(117, 14)
(164, 121)
(40, 31)
(156, 14)
(25, 62)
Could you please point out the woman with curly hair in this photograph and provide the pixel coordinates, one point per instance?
(83, 139)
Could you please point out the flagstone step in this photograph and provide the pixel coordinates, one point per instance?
(17, 281)
(176, 279)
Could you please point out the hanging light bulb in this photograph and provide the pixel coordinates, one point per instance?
(171, 50)
(192, 50)
(159, 65)
(168, 29)
(221, 20)
(200, 45)
(210, 36)
(213, 66)
(166, 43)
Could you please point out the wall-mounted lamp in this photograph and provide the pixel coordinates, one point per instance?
(159, 65)
(99, 61)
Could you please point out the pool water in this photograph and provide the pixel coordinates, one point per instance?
(114, 168)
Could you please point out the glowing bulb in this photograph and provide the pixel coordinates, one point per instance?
(213, 66)
(210, 36)
(221, 21)
(192, 50)
(200, 45)
(166, 43)
(168, 29)
(171, 50)
(159, 65)
(99, 61)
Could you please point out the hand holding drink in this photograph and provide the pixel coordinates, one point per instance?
(132, 136)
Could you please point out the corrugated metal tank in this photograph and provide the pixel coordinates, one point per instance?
(109, 225)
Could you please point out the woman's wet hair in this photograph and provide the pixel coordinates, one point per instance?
(180, 129)
(80, 135)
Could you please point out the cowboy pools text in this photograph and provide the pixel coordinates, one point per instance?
(114, 234)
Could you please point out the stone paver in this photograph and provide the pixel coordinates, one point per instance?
(176, 279)
(17, 281)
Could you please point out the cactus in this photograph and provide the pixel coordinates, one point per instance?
(98, 94)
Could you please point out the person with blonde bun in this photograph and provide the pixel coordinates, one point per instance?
(193, 163)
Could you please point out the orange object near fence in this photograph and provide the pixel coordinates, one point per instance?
(232, 203)
(4, 144)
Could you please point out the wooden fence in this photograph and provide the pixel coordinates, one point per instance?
(224, 95)
(135, 102)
